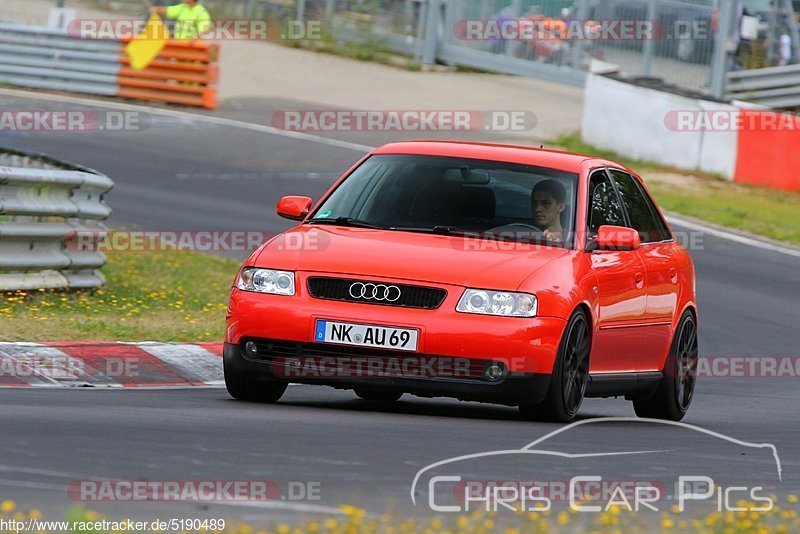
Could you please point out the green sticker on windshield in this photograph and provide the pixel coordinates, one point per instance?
(324, 214)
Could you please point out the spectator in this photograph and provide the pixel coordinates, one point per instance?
(192, 20)
(785, 47)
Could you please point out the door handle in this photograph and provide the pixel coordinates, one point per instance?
(639, 278)
(673, 275)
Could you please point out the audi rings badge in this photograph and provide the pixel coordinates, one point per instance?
(379, 292)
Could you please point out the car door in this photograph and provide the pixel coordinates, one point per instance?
(621, 298)
(661, 269)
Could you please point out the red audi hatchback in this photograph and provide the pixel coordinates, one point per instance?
(512, 275)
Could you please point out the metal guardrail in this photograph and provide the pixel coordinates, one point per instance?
(50, 223)
(47, 58)
(775, 87)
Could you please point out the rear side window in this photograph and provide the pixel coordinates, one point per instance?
(643, 215)
(604, 206)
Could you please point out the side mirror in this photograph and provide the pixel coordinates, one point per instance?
(617, 238)
(294, 208)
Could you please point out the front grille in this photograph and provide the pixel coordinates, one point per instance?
(428, 298)
(359, 362)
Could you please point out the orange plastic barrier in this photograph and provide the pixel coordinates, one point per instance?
(769, 156)
(185, 72)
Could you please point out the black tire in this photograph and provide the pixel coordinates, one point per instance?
(378, 396)
(570, 375)
(675, 391)
(245, 389)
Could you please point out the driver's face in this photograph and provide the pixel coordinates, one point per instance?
(546, 210)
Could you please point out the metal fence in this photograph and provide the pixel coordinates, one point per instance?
(51, 225)
(693, 44)
(680, 51)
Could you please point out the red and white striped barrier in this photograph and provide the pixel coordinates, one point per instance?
(95, 364)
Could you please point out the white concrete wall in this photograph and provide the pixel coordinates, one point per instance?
(638, 123)
(720, 148)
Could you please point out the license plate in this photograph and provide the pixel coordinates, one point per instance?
(363, 335)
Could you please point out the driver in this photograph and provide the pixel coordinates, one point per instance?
(548, 202)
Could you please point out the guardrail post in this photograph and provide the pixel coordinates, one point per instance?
(582, 14)
(516, 13)
(330, 8)
(650, 44)
(720, 61)
(431, 32)
(249, 8)
(422, 16)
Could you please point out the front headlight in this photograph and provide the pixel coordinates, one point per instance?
(498, 303)
(266, 281)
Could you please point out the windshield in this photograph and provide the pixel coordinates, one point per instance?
(456, 196)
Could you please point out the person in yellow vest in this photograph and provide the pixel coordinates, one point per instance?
(192, 19)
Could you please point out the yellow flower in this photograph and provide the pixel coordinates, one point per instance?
(331, 524)
(462, 522)
(34, 514)
(667, 523)
(347, 509)
(283, 528)
(563, 518)
(792, 498)
(7, 506)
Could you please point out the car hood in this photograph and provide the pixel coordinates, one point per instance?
(421, 257)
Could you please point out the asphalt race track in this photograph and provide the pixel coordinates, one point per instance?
(187, 174)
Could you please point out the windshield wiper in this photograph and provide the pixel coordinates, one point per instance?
(348, 221)
(438, 229)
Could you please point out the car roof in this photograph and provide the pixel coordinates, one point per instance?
(526, 155)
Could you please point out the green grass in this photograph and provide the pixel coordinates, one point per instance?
(758, 210)
(148, 296)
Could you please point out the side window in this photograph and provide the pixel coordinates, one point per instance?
(604, 206)
(641, 211)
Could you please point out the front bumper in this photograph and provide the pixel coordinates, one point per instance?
(514, 390)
